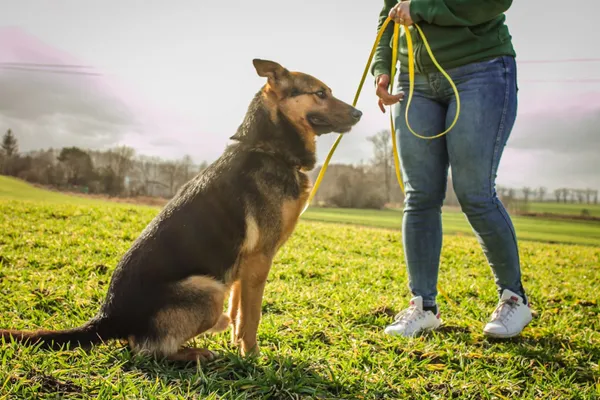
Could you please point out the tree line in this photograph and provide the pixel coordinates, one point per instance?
(121, 172)
(118, 171)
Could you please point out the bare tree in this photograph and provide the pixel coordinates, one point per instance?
(526, 193)
(149, 174)
(563, 195)
(588, 195)
(355, 188)
(383, 157)
(541, 193)
(170, 170)
(569, 195)
(121, 160)
(120, 164)
(186, 166)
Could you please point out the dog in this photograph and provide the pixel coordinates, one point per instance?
(219, 234)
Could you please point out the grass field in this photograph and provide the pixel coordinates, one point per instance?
(15, 189)
(565, 209)
(332, 290)
(528, 228)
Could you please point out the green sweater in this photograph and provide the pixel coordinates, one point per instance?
(458, 32)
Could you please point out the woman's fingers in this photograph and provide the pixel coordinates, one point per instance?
(381, 106)
(385, 98)
(400, 13)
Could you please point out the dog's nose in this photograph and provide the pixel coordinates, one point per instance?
(356, 114)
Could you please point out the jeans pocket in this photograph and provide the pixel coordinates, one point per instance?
(510, 67)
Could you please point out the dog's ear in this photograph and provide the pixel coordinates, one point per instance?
(269, 69)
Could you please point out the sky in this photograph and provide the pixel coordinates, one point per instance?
(175, 78)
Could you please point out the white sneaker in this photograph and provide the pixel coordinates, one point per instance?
(413, 320)
(509, 318)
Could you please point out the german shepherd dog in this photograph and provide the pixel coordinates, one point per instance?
(219, 233)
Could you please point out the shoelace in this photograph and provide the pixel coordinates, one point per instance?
(505, 309)
(405, 315)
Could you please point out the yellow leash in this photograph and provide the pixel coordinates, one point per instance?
(411, 77)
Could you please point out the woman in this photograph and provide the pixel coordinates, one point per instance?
(472, 43)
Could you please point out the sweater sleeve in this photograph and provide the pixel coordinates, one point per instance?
(383, 52)
(457, 12)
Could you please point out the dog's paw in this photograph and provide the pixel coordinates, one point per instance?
(250, 350)
(193, 354)
(221, 325)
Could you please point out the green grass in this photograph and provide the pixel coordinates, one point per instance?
(454, 223)
(16, 189)
(565, 209)
(331, 291)
(527, 228)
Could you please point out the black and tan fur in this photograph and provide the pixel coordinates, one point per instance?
(219, 234)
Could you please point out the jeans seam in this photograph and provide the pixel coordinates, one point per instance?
(497, 146)
(499, 132)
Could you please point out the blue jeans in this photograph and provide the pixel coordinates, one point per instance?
(472, 150)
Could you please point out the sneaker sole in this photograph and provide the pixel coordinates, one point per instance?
(502, 335)
(505, 335)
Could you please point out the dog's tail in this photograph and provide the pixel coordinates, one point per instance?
(92, 332)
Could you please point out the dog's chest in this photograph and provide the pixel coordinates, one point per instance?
(291, 208)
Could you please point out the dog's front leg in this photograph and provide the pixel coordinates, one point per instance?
(253, 276)
(233, 310)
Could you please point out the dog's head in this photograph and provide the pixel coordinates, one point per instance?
(305, 101)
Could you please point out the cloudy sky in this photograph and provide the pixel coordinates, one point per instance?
(174, 78)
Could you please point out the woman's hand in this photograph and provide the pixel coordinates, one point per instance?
(385, 98)
(400, 13)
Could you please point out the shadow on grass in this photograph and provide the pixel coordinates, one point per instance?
(46, 384)
(557, 353)
(382, 316)
(552, 353)
(266, 376)
(453, 329)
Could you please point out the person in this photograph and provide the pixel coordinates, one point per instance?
(471, 41)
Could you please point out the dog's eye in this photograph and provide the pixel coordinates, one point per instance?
(321, 94)
(295, 92)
